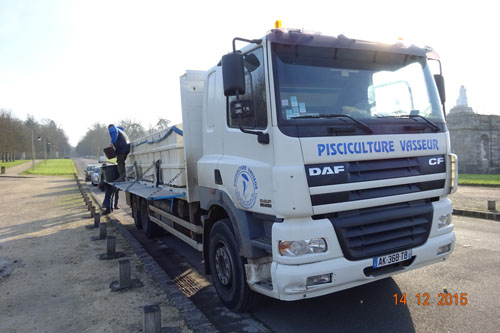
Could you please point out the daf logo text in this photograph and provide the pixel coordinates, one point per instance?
(326, 170)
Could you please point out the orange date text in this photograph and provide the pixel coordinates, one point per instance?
(424, 299)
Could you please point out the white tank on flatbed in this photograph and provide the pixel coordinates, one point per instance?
(166, 146)
(176, 149)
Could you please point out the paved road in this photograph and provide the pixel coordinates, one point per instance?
(473, 269)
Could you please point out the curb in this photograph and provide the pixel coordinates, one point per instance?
(193, 317)
(479, 185)
(5, 176)
(479, 215)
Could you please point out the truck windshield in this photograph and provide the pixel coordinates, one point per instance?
(317, 84)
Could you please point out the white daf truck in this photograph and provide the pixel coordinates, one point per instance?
(305, 164)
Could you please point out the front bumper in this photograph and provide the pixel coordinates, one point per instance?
(289, 281)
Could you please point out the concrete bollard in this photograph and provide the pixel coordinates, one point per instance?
(97, 220)
(492, 205)
(125, 281)
(111, 246)
(151, 320)
(102, 231)
(92, 210)
(2, 170)
(111, 250)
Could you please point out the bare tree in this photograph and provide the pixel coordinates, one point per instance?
(94, 141)
(17, 137)
(133, 129)
(161, 124)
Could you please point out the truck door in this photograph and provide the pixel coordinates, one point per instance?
(246, 164)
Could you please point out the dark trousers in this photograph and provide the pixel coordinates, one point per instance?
(110, 195)
(106, 204)
(120, 161)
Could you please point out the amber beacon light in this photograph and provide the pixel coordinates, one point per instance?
(277, 24)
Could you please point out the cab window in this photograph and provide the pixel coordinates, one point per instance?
(255, 91)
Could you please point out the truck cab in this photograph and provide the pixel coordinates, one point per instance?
(353, 184)
(305, 164)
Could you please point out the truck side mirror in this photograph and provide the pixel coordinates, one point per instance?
(439, 79)
(233, 75)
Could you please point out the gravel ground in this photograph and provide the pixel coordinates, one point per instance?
(15, 170)
(475, 198)
(50, 277)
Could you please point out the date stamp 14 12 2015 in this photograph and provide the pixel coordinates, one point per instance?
(424, 299)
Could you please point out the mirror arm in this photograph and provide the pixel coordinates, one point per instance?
(255, 41)
(261, 136)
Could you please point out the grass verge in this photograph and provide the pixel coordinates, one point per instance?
(56, 167)
(11, 164)
(485, 180)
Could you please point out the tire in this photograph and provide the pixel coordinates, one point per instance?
(228, 269)
(135, 212)
(150, 229)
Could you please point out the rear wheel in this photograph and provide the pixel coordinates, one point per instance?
(149, 228)
(228, 269)
(135, 211)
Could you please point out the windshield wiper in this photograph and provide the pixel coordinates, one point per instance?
(410, 116)
(319, 115)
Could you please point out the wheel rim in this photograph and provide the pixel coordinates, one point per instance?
(223, 265)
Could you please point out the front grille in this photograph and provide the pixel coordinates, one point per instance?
(362, 171)
(371, 232)
(370, 193)
(375, 170)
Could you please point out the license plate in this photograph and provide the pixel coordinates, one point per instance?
(391, 258)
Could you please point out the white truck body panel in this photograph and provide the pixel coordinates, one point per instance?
(192, 89)
(178, 147)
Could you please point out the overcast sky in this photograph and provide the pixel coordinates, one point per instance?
(80, 62)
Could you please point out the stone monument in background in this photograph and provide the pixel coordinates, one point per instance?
(474, 138)
(462, 97)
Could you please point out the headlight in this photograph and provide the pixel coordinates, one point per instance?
(444, 220)
(301, 247)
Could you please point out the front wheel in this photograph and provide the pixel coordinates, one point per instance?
(228, 269)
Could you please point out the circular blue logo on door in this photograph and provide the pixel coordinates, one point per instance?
(245, 187)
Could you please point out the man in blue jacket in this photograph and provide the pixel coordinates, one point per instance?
(121, 143)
